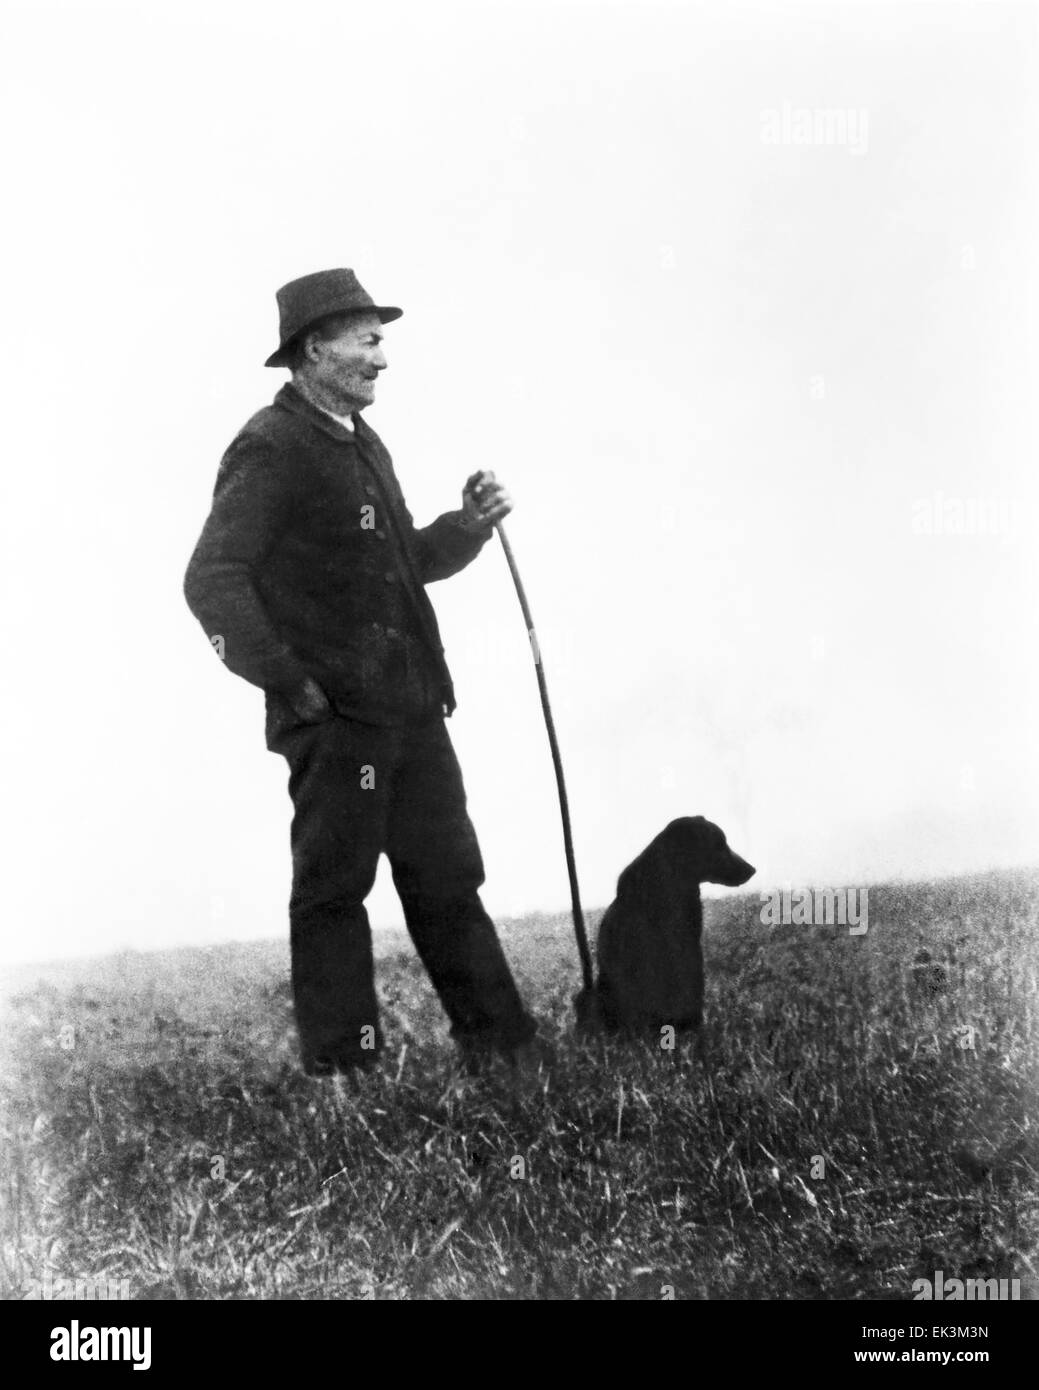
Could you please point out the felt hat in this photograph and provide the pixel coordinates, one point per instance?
(304, 302)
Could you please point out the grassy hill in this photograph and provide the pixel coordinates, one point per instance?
(861, 1124)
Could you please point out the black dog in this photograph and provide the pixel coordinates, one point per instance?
(649, 953)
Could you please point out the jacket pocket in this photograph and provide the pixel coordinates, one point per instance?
(282, 720)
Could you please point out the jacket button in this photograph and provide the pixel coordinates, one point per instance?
(381, 535)
(370, 489)
(389, 576)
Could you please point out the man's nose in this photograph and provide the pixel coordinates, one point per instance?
(379, 361)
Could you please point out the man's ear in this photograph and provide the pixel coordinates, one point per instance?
(309, 349)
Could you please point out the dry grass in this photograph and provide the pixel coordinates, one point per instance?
(175, 1144)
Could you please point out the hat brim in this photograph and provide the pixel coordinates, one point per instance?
(387, 313)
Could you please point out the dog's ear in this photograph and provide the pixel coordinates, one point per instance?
(644, 871)
(659, 860)
(636, 876)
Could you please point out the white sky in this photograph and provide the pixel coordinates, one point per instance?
(716, 373)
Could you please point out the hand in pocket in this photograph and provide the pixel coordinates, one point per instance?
(310, 703)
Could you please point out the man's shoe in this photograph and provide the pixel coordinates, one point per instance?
(477, 1059)
(532, 1057)
(325, 1067)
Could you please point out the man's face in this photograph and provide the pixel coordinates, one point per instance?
(348, 364)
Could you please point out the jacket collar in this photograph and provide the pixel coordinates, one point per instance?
(292, 399)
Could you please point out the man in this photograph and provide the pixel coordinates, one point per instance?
(309, 578)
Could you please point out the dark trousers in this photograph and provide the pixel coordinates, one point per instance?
(360, 791)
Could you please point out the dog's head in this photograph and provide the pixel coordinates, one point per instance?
(694, 850)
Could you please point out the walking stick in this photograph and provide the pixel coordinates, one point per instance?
(582, 1002)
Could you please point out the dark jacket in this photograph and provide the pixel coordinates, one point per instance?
(310, 565)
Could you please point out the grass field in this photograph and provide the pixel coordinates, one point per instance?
(856, 1131)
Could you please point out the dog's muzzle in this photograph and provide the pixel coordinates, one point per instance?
(740, 872)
